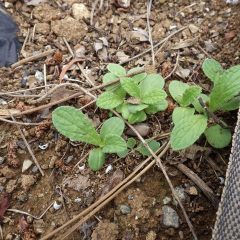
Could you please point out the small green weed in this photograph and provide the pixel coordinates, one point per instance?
(134, 97)
(224, 96)
(73, 124)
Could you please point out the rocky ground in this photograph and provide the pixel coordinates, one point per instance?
(97, 35)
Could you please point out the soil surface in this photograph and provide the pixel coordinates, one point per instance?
(96, 35)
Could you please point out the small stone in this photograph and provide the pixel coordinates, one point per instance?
(170, 217)
(124, 209)
(151, 235)
(35, 169)
(192, 191)
(167, 200)
(52, 161)
(1, 160)
(57, 205)
(180, 191)
(39, 226)
(46, 13)
(43, 28)
(193, 28)
(22, 197)
(26, 165)
(124, 3)
(11, 186)
(142, 128)
(69, 28)
(29, 219)
(39, 76)
(69, 159)
(109, 169)
(27, 181)
(9, 237)
(7, 172)
(80, 11)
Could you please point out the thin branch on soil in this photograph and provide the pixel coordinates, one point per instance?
(25, 90)
(32, 58)
(25, 41)
(116, 190)
(155, 46)
(29, 214)
(149, 4)
(45, 76)
(19, 123)
(28, 147)
(199, 182)
(174, 69)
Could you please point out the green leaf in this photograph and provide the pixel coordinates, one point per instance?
(137, 117)
(218, 137)
(114, 144)
(108, 77)
(180, 113)
(96, 159)
(116, 69)
(189, 95)
(123, 154)
(130, 87)
(177, 89)
(72, 123)
(132, 108)
(232, 104)
(108, 100)
(152, 109)
(187, 131)
(225, 89)
(120, 92)
(154, 145)
(152, 82)
(153, 97)
(198, 106)
(212, 69)
(131, 142)
(138, 77)
(113, 125)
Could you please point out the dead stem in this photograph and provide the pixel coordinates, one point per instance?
(32, 58)
(149, 4)
(29, 214)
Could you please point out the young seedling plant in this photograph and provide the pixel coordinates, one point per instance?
(134, 97)
(191, 118)
(76, 126)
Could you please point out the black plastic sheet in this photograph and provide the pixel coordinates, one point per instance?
(9, 44)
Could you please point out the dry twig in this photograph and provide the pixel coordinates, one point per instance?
(32, 58)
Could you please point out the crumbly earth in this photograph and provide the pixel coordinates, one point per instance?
(112, 34)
